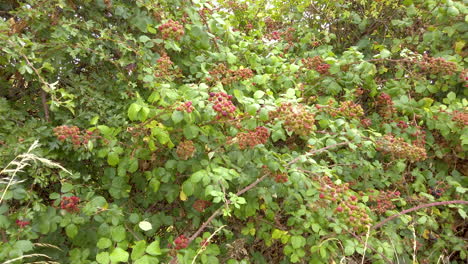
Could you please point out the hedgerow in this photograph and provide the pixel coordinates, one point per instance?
(191, 131)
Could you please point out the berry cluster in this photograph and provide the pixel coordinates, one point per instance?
(347, 207)
(237, 6)
(272, 25)
(185, 150)
(287, 35)
(461, 117)
(201, 205)
(438, 190)
(382, 201)
(316, 63)
(181, 242)
(205, 12)
(402, 124)
(280, 177)
(275, 35)
(385, 106)
(77, 136)
(347, 109)
(172, 30)
(21, 223)
(431, 65)
(420, 137)
(165, 68)
(252, 138)
(185, 107)
(204, 243)
(464, 77)
(296, 118)
(400, 149)
(70, 204)
(226, 76)
(366, 122)
(223, 105)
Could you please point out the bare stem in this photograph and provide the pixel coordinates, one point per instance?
(377, 226)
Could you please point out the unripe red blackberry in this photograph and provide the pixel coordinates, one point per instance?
(185, 150)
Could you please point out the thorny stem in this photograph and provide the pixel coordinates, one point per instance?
(377, 226)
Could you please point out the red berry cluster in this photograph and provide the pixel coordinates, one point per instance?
(347, 207)
(464, 77)
(420, 137)
(347, 109)
(461, 117)
(296, 118)
(77, 136)
(204, 243)
(275, 35)
(185, 150)
(382, 201)
(172, 30)
(431, 65)
(402, 124)
(438, 190)
(21, 223)
(205, 12)
(366, 122)
(181, 242)
(70, 204)
(252, 138)
(400, 149)
(165, 68)
(272, 25)
(385, 106)
(226, 76)
(237, 6)
(185, 107)
(280, 177)
(223, 105)
(316, 63)
(201, 205)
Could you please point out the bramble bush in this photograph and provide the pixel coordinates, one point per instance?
(191, 131)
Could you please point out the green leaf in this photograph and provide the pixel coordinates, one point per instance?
(177, 116)
(119, 255)
(113, 158)
(143, 38)
(147, 260)
(105, 130)
(191, 131)
(349, 248)
(103, 258)
(71, 230)
(104, 242)
(133, 111)
(188, 187)
(155, 184)
(66, 187)
(118, 233)
(24, 245)
(297, 241)
(153, 249)
(138, 249)
(197, 176)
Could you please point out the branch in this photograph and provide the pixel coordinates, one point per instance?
(377, 226)
(255, 183)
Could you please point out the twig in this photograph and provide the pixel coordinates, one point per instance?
(377, 226)
(206, 242)
(365, 245)
(371, 248)
(414, 243)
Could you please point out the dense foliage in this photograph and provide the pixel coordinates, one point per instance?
(254, 131)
